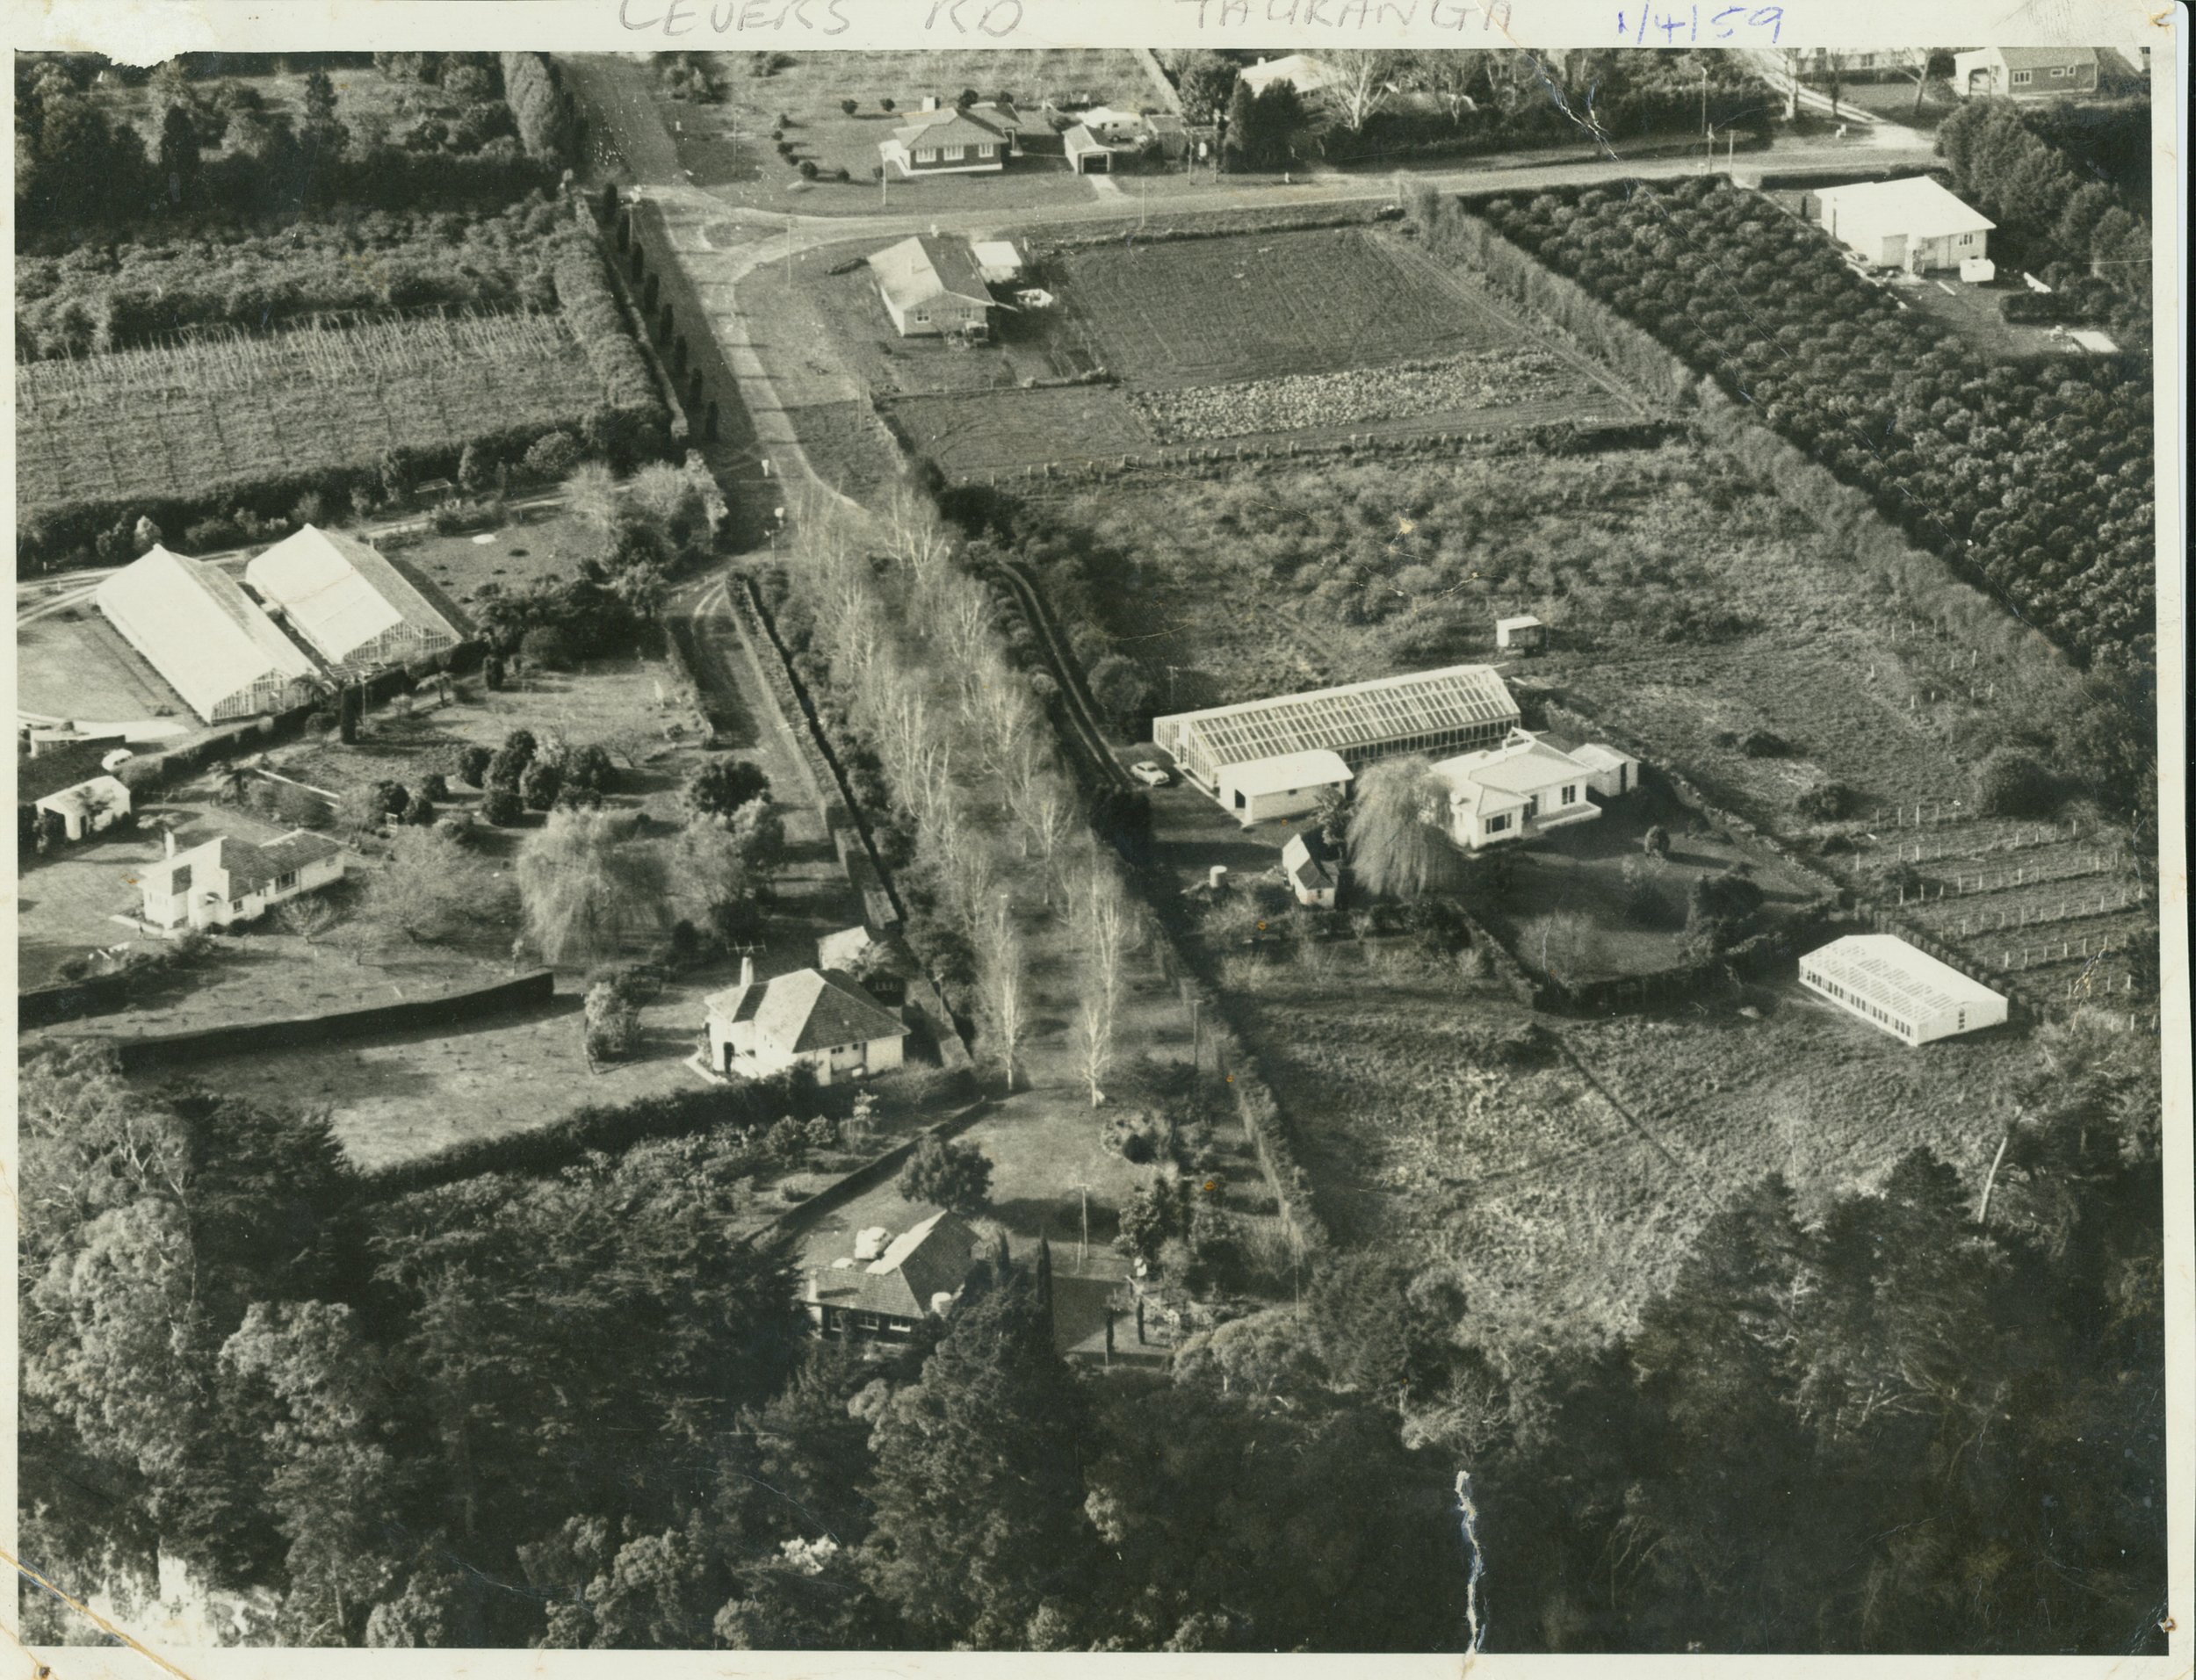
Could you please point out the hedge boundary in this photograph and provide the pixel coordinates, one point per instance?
(139, 1054)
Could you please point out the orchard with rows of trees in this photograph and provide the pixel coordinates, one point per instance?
(2035, 477)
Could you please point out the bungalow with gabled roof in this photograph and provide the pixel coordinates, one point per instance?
(230, 880)
(931, 285)
(887, 1289)
(1526, 786)
(813, 1018)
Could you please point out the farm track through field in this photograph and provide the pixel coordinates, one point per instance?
(1090, 739)
(1587, 1071)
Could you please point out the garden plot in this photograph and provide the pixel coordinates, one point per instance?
(1530, 380)
(973, 433)
(1205, 311)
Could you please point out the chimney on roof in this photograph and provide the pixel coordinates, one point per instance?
(167, 840)
(929, 102)
(747, 971)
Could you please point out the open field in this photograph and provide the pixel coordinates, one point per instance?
(174, 421)
(1562, 1213)
(538, 544)
(1000, 429)
(1202, 311)
(73, 663)
(395, 1097)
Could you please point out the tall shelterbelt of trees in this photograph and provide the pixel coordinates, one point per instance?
(952, 747)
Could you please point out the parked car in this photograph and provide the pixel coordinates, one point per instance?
(1150, 775)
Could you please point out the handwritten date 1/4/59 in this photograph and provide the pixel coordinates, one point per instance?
(1682, 26)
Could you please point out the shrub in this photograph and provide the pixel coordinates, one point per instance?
(1827, 803)
(500, 805)
(471, 764)
(1760, 744)
(1656, 841)
(612, 1020)
(554, 454)
(419, 811)
(2010, 783)
(850, 106)
(589, 769)
(545, 645)
(435, 785)
(508, 765)
(954, 1176)
(299, 807)
(492, 671)
(808, 171)
(539, 785)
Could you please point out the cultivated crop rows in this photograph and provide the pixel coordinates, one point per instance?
(1494, 380)
(1200, 311)
(172, 421)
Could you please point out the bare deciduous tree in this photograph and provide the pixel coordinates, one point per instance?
(1002, 974)
(1361, 84)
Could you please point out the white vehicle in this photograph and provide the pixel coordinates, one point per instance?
(1150, 775)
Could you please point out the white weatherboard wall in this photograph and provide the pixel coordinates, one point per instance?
(1287, 785)
(1903, 991)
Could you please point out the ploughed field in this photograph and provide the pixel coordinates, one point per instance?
(177, 420)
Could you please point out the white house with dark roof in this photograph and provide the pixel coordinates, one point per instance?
(954, 139)
(1526, 786)
(931, 285)
(2023, 72)
(918, 1274)
(350, 604)
(230, 880)
(211, 642)
(821, 1020)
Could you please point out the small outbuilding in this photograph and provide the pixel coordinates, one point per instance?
(1313, 876)
(86, 807)
(997, 261)
(1084, 148)
(1286, 784)
(1609, 772)
(1906, 993)
(1523, 634)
